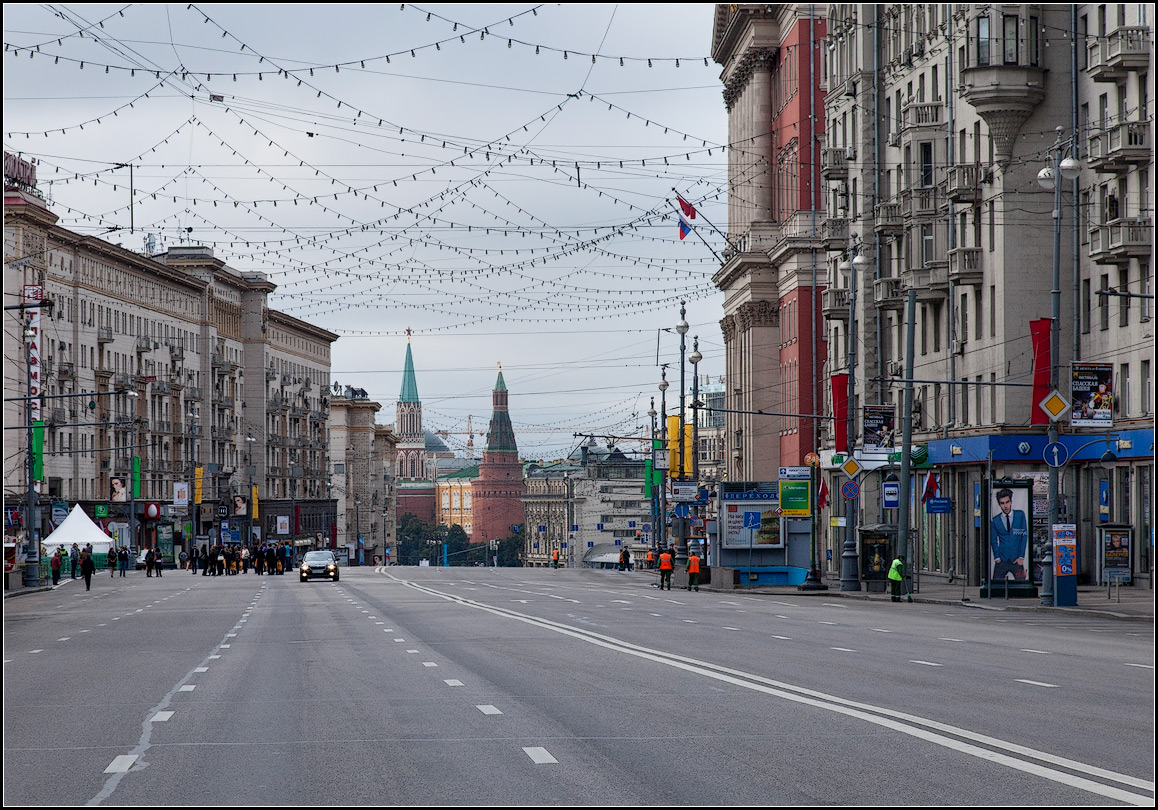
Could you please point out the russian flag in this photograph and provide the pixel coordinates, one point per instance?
(687, 214)
(930, 489)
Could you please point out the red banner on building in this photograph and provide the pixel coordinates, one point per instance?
(1039, 332)
(840, 412)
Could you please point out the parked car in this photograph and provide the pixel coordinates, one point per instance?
(319, 564)
(141, 559)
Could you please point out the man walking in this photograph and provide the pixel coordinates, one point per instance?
(555, 558)
(87, 569)
(55, 565)
(149, 563)
(665, 569)
(74, 558)
(897, 577)
(123, 559)
(693, 572)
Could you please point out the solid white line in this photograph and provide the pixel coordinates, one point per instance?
(540, 756)
(927, 663)
(1039, 652)
(161, 717)
(842, 649)
(1038, 683)
(488, 709)
(1144, 666)
(121, 764)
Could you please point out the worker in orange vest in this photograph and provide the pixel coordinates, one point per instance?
(665, 569)
(555, 558)
(693, 571)
(650, 558)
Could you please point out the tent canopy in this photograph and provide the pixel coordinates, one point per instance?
(77, 528)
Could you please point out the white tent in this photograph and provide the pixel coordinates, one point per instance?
(77, 528)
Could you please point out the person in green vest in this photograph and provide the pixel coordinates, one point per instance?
(897, 577)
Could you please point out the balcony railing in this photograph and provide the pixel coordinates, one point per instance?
(144, 344)
(835, 230)
(889, 218)
(122, 381)
(104, 334)
(964, 182)
(1124, 49)
(193, 392)
(1117, 241)
(888, 293)
(1120, 146)
(835, 304)
(965, 266)
(921, 115)
(833, 163)
(921, 203)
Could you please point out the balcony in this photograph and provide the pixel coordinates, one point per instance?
(222, 433)
(162, 387)
(1118, 241)
(965, 266)
(144, 343)
(270, 375)
(162, 426)
(1121, 146)
(835, 230)
(276, 439)
(834, 304)
(834, 162)
(317, 416)
(921, 203)
(889, 218)
(922, 115)
(177, 352)
(1125, 49)
(297, 411)
(122, 381)
(193, 393)
(104, 334)
(964, 182)
(931, 281)
(195, 431)
(888, 293)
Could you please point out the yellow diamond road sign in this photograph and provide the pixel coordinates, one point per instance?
(851, 467)
(1055, 405)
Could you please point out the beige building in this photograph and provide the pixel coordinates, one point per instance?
(939, 120)
(363, 454)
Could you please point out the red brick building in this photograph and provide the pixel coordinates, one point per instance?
(498, 491)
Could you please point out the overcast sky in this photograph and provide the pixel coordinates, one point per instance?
(499, 192)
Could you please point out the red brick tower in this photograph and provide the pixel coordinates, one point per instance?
(498, 491)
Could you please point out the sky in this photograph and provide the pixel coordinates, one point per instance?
(498, 179)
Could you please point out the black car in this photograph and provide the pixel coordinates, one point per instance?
(319, 564)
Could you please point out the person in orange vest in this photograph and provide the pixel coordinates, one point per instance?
(555, 558)
(650, 558)
(665, 569)
(693, 572)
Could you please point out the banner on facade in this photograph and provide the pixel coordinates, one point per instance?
(1092, 395)
(880, 428)
(1008, 530)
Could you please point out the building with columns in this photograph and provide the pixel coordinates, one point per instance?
(774, 270)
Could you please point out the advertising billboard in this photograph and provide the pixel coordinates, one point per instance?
(1092, 395)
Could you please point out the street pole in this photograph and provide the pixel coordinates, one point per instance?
(1051, 177)
(681, 522)
(695, 357)
(907, 427)
(655, 490)
(663, 384)
(32, 510)
(850, 568)
(133, 396)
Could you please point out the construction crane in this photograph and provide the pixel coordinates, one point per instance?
(469, 433)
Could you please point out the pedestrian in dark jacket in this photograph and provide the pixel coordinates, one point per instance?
(87, 569)
(123, 559)
(55, 565)
(149, 563)
(74, 558)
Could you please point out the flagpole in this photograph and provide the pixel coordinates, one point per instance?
(697, 233)
(713, 227)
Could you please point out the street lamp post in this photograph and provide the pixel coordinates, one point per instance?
(656, 493)
(1050, 178)
(682, 536)
(663, 384)
(133, 396)
(695, 357)
(849, 569)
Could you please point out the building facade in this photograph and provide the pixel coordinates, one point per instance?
(497, 492)
(774, 270)
(364, 455)
(940, 119)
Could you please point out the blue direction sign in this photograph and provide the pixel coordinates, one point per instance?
(682, 510)
(939, 506)
(891, 491)
(1056, 454)
(850, 489)
(751, 520)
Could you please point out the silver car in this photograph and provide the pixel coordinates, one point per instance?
(319, 564)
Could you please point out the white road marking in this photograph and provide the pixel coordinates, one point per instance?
(225, 646)
(1039, 652)
(412, 651)
(161, 717)
(731, 628)
(949, 639)
(1143, 666)
(33, 652)
(1038, 683)
(879, 630)
(927, 663)
(453, 682)
(782, 638)
(397, 640)
(833, 604)
(540, 756)
(691, 621)
(778, 616)
(187, 688)
(429, 664)
(488, 709)
(841, 649)
(66, 638)
(827, 622)
(201, 669)
(215, 656)
(121, 764)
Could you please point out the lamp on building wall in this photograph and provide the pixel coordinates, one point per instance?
(1062, 166)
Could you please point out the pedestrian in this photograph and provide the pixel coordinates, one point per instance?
(650, 559)
(555, 558)
(270, 560)
(665, 569)
(897, 577)
(193, 555)
(693, 569)
(74, 558)
(204, 560)
(112, 560)
(624, 559)
(259, 560)
(158, 561)
(245, 559)
(220, 561)
(123, 559)
(55, 564)
(87, 569)
(149, 563)
(182, 559)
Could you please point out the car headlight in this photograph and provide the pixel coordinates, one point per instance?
(331, 567)
(305, 568)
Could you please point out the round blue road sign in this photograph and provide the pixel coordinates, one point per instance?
(850, 489)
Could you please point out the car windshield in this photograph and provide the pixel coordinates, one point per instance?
(319, 556)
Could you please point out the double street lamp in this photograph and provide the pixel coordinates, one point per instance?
(851, 267)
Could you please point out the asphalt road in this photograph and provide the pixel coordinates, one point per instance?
(472, 686)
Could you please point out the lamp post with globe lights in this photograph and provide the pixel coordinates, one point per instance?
(849, 568)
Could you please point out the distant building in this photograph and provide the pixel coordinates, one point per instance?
(498, 491)
(364, 455)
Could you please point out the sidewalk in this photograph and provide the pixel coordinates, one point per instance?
(1128, 602)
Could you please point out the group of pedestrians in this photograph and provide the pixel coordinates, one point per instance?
(227, 560)
(665, 561)
(79, 560)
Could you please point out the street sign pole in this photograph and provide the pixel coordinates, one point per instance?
(812, 581)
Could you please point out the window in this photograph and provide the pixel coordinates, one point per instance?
(928, 244)
(1123, 300)
(1123, 398)
(1034, 44)
(1145, 391)
(992, 310)
(964, 400)
(1086, 306)
(964, 314)
(936, 328)
(992, 228)
(1103, 305)
(1009, 39)
(927, 180)
(982, 40)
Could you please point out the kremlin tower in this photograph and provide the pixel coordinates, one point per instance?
(499, 488)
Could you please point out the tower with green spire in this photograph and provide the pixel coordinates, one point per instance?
(408, 424)
(499, 489)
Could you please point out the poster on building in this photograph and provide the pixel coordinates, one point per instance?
(1009, 505)
(283, 524)
(1092, 395)
(753, 521)
(1039, 534)
(1116, 551)
(880, 428)
(181, 493)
